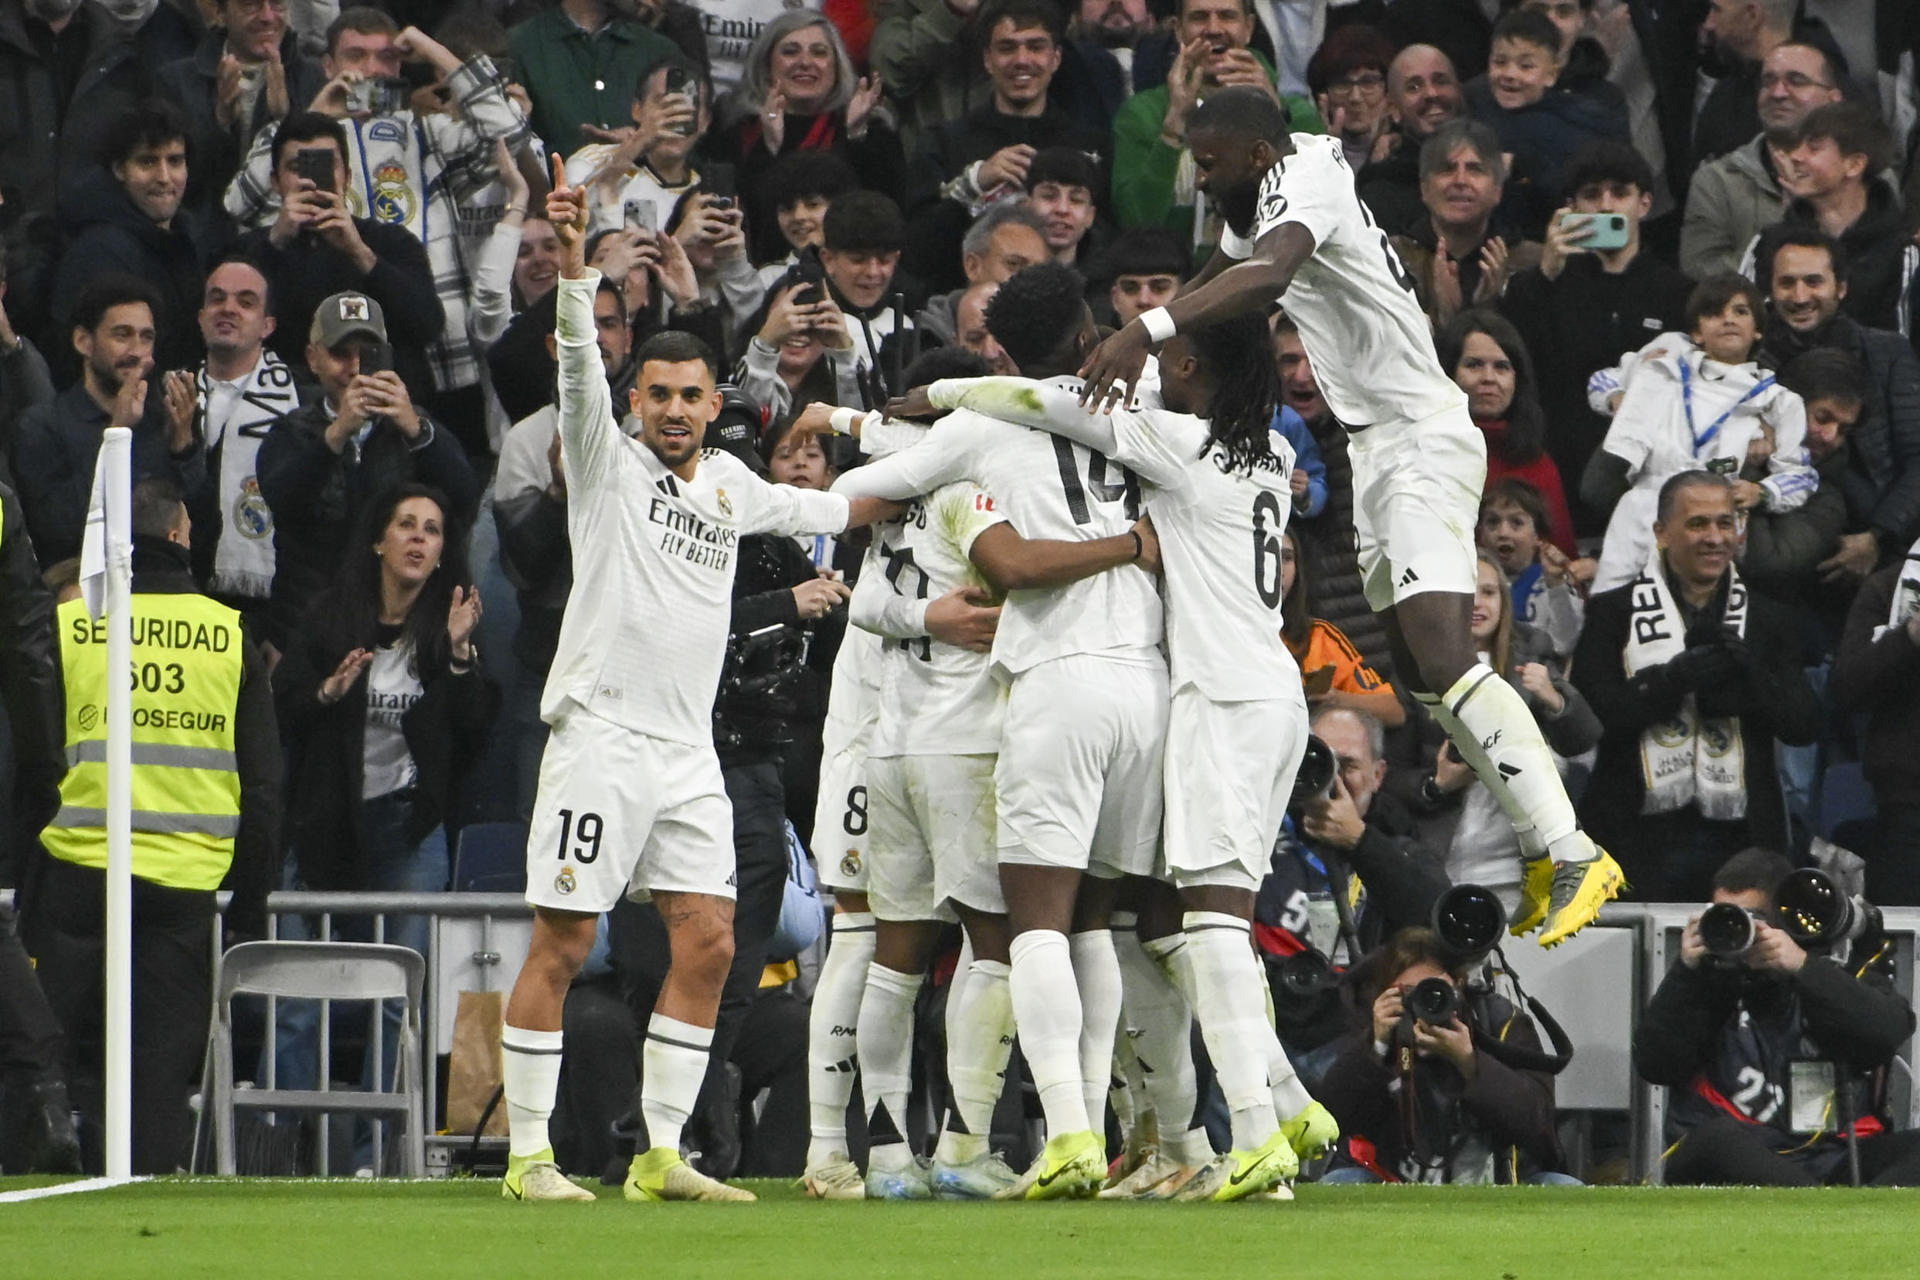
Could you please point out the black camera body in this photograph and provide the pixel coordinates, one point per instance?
(1434, 1001)
(759, 687)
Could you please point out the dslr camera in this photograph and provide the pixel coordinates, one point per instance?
(759, 687)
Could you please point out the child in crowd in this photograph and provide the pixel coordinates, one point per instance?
(1695, 400)
(1546, 584)
(1309, 468)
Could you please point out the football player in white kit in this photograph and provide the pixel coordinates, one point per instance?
(1078, 781)
(1298, 233)
(630, 797)
(1217, 493)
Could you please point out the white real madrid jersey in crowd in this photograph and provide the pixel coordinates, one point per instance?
(1219, 529)
(645, 631)
(1362, 327)
(937, 699)
(1046, 487)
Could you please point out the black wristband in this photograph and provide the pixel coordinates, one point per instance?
(1138, 546)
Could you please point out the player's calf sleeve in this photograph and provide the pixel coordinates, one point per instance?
(979, 1042)
(1047, 1016)
(1226, 995)
(832, 1064)
(1096, 974)
(673, 1063)
(1161, 1024)
(886, 1062)
(530, 1076)
(1499, 739)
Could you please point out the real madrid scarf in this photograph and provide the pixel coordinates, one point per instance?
(1689, 759)
(1906, 593)
(235, 424)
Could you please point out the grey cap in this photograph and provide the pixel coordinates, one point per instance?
(345, 315)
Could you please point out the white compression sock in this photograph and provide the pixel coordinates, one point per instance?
(886, 1062)
(1226, 994)
(1096, 973)
(673, 1063)
(530, 1074)
(832, 1065)
(1046, 1013)
(979, 1042)
(1499, 739)
(1162, 1024)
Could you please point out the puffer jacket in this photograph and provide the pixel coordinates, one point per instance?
(111, 234)
(44, 141)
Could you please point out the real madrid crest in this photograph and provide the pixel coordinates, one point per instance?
(850, 865)
(726, 503)
(393, 201)
(251, 518)
(563, 883)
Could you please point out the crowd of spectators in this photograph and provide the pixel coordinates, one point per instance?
(1668, 250)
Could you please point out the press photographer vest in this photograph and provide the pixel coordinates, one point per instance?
(187, 664)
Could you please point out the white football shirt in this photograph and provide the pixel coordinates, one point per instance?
(645, 631)
(1362, 327)
(1219, 530)
(935, 699)
(1047, 487)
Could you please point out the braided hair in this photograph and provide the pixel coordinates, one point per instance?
(1238, 353)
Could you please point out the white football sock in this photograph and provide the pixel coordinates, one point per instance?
(886, 1063)
(530, 1075)
(832, 1064)
(979, 1042)
(673, 1063)
(1226, 995)
(1046, 1014)
(1096, 972)
(1162, 1027)
(1499, 739)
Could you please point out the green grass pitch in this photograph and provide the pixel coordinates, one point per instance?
(461, 1228)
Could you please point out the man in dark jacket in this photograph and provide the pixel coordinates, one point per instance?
(1876, 672)
(1752, 1048)
(1693, 677)
(1424, 91)
(126, 217)
(58, 442)
(243, 75)
(322, 464)
(67, 72)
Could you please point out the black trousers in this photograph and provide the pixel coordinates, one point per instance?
(172, 1001)
(32, 1048)
(1725, 1152)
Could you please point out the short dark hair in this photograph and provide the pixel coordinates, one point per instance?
(244, 259)
(1833, 63)
(109, 290)
(543, 316)
(1855, 128)
(1751, 869)
(158, 504)
(800, 174)
(1413, 945)
(470, 29)
(1241, 111)
(675, 346)
(1037, 311)
(945, 362)
(1605, 160)
(677, 61)
(1782, 234)
(152, 123)
(1068, 166)
(1437, 151)
(1512, 491)
(362, 20)
(1353, 47)
(1679, 483)
(1146, 251)
(1023, 14)
(1531, 27)
(1825, 373)
(864, 222)
(1711, 296)
(308, 126)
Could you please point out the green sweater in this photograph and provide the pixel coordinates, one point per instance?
(1144, 167)
(577, 79)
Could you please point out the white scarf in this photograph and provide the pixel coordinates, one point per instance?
(1906, 593)
(243, 561)
(1688, 759)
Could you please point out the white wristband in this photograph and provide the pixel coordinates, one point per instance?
(1235, 245)
(841, 420)
(1159, 324)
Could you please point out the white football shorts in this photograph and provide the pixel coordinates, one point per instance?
(1230, 768)
(1078, 780)
(620, 812)
(1416, 500)
(933, 836)
(840, 820)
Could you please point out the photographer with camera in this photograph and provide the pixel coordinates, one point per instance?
(1753, 1026)
(1426, 1088)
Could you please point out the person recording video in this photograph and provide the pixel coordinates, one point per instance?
(1783, 988)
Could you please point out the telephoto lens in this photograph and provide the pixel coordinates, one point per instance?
(1469, 920)
(1816, 912)
(1317, 767)
(1434, 1001)
(1726, 931)
(1306, 973)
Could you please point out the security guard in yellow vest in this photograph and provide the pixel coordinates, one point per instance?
(206, 783)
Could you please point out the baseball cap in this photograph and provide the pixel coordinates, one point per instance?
(736, 428)
(347, 315)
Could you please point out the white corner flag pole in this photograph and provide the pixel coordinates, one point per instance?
(111, 515)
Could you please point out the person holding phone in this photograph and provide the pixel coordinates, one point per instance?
(580, 60)
(649, 163)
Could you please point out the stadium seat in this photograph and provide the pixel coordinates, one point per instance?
(1846, 802)
(492, 858)
(317, 971)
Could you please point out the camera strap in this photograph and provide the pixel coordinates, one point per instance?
(1519, 1057)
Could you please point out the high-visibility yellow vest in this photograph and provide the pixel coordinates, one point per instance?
(186, 778)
